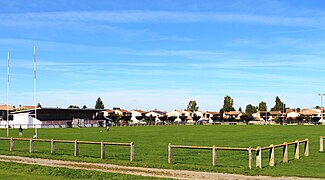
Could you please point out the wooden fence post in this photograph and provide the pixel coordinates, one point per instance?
(306, 147)
(11, 144)
(76, 148)
(297, 150)
(259, 157)
(102, 150)
(214, 155)
(132, 151)
(271, 160)
(170, 154)
(52, 146)
(31, 145)
(321, 144)
(250, 157)
(285, 152)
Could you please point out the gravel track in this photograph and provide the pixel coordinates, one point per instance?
(140, 171)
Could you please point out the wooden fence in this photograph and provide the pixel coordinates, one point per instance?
(75, 142)
(214, 152)
(249, 150)
(285, 146)
(321, 144)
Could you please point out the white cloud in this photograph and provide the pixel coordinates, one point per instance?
(77, 17)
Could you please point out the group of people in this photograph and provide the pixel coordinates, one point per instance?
(21, 132)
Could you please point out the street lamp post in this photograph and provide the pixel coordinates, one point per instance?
(322, 107)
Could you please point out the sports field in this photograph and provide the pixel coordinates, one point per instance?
(151, 147)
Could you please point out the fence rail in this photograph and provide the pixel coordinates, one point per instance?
(258, 150)
(75, 142)
(214, 152)
(321, 143)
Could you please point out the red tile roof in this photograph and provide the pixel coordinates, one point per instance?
(232, 113)
(140, 111)
(4, 107)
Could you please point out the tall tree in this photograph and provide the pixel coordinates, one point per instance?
(192, 106)
(228, 104)
(262, 106)
(240, 110)
(279, 105)
(250, 109)
(99, 104)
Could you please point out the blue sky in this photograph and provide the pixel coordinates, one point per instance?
(161, 54)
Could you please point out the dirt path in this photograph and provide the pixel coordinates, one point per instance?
(164, 173)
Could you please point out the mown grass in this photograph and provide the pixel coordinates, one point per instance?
(151, 147)
(35, 172)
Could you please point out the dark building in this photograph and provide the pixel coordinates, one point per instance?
(59, 117)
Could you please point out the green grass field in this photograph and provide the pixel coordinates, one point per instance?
(24, 171)
(151, 147)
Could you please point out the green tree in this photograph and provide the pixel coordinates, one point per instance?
(240, 110)
(84, 107)
(39, 105)
(279, 105)
(228, 104)
(73, 106)
(99, 104)
(262, 106)
(250, 109)
(192, 106)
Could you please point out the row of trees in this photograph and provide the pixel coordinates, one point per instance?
(228, 105)
(99, 105)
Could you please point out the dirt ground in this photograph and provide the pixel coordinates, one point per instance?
(164, 173)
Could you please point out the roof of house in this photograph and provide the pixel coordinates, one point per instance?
(4, 107)
(109, 111)
(139, 110)
(213, 113)
(158, 112)
(27, 107)
(308, 112)
(123, 110)
(232, 113)
(275, 112)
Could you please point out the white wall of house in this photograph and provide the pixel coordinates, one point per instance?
(175, 113)
(25, 121)
(134, 115)
(292, 115)
(154, 114)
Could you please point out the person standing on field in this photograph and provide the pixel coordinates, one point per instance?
(20, 131)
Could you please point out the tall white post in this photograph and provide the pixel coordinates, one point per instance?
(8, 73)
(35, 101)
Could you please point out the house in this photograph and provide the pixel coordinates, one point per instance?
(3, 112)
(212, 116)
(232, 115)
(292, 115)
(175, 114)
(125, 114)
(23, 107)
(189, 115)
(137, 116)
(108, 113)
(156, 116)
(275, 114)
(57, 117)
(311, 112)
